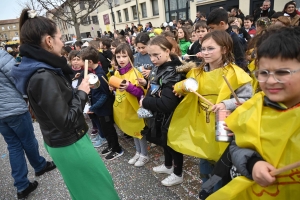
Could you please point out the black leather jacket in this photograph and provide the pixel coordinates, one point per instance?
(57, 107)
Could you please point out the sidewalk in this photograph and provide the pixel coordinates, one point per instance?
(130, 182)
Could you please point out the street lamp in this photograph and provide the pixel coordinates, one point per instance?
(112, 14)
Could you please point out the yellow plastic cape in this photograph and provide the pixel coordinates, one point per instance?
(275, 135)
(254, 82)
(192, 128)
(126, 106)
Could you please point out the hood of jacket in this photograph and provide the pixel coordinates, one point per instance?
(22, 73)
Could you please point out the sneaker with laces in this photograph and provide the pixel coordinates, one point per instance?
(141, 161)
(94, 132)
(171, 180)
(106, 151)
(134, 158)
(161, 169)
(100, 143)
(114, 155)
(95, 138)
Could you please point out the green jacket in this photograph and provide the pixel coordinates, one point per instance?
(184, 46)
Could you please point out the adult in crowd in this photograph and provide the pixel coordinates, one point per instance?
(290, 9)
(235, 12)
(44, 77)
(198, 16)
(132, 28)
(264, 11)
(17, 130)
(127, 29)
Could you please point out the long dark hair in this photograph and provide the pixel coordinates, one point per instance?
(33, 29)
(125, 48)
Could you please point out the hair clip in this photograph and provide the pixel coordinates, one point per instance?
(168, 24)
(31, 14)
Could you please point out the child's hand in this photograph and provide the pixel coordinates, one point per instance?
(146, 72)
(124, 86)
(227, 129)
(261, 173)
(111, 88)
(142, 81)
(141, 102)
(176, 94)
(199, 55)
(85, 85)
(219, 106)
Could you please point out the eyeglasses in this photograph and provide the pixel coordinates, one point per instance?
(280, 75)
(208, 50)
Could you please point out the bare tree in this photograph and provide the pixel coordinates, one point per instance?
(33, 5)
(73, 12)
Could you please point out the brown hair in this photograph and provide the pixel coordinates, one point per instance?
(125, 48)
(201, 24)
(223, 39)
(175, 46)
(73, 53)
(90, 53)
(186, 33)
(95, 44)
(164, 43)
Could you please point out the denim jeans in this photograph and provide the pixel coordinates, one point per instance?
(19, 135)
(206, 169)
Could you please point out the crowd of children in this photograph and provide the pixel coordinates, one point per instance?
(260, 64)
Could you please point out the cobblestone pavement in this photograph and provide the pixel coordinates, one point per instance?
(130, 182)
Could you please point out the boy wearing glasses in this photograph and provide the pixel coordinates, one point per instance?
(266, 127)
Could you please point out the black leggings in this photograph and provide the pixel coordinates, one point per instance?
(171, 155)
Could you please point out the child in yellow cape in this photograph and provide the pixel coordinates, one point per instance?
(266, 127)
(192, 128)
(127, 103)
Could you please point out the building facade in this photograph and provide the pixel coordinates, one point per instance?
(9, 29)
(159, 11)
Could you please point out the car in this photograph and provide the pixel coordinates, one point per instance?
(71, 42)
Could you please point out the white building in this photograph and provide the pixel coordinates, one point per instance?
(159, 11)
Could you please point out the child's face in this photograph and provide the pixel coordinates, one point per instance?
(142, 48)
(77, 62)
(122, 59)
(201, 32)
(157, 55)
(194, 37)
(101, 45)
(113, 49)
(180, 34)
(211, 51)
(287, 92)
(247, 24)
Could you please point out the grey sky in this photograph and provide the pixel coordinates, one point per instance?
(10, 9)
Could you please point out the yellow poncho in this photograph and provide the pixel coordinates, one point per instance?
(192, 128)
(126, 106)
(275, 135)
(254, 82)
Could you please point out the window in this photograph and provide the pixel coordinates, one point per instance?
(2, 28)
(95, 19)
(8, 27)
(126, 14)
(82, 6)
(117, 2)
(134, 13)
(119, 15)
(155, 9)
(91, 4)
(167, 5)
(144, 10)
(14, 27)
(16, 34)
(127, 1)
(86, 21)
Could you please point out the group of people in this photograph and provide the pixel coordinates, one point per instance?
(264, 109)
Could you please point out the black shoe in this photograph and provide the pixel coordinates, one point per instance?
(114, 155)
(106, 151)
(31, 187)
(49, 166)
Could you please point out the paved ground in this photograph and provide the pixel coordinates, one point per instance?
(130, 182)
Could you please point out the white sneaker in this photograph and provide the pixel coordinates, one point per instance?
(141, 161)
(161, 169)
(134, 158)
(171, 180)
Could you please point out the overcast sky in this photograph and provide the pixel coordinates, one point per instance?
(10, 9)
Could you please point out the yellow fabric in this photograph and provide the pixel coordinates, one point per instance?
(126, 106)
(254, 82)
(192, 129)
(275, 136)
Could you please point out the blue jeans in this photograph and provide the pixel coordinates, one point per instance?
(19, 135)
(206, 169)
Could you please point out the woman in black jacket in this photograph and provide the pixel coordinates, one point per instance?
(161, 100)
(44, 77)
